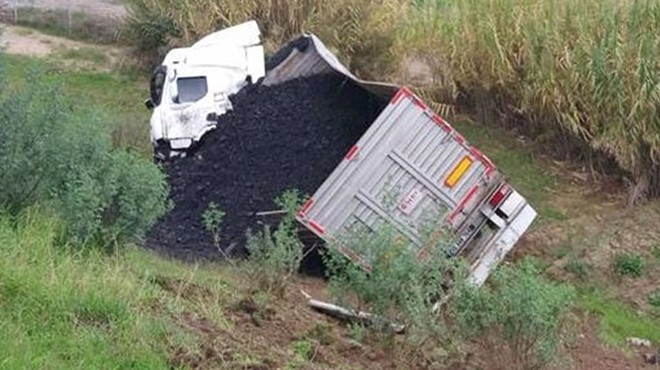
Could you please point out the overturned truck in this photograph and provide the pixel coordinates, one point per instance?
(401, 165)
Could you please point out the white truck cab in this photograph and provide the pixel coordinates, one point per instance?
(192, 85)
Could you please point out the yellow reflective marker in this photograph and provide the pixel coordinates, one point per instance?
(458, 171)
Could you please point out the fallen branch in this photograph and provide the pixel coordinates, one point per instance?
(270, 213)
(349, 315)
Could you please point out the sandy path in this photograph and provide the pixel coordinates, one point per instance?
(112, 8)
(24, 41)
(64, 52)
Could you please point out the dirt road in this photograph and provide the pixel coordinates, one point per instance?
(112, 8)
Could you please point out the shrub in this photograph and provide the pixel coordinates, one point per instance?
(628, 264)
(57, 154)
(398, 288)
(521, 308)
(274, 257)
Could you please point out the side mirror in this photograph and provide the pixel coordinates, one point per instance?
(149, 104)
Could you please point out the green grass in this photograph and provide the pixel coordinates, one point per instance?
(120, 95)
(89, 54)
(616, 321)
(62, 310)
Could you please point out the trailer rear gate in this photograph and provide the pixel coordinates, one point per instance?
(410, 170)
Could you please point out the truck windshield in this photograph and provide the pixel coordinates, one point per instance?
(191, 89)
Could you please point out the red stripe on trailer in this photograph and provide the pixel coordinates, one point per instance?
(483, 159)
(489, 170)
(438, 121)
(316, 227)
(459, 138)
(418, 102)
(476, 153)
(489, 163)
(305, 207)
(463, 202)
(399, 94)
(405, 92)
(352, 152)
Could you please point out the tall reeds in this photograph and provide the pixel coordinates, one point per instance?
(589, 69)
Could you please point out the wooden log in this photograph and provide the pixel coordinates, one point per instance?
(346, 314)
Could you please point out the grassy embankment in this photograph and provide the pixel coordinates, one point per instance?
(102, 308)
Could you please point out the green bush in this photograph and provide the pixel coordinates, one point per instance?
(519, 307)
(276, 256)
(58, 154)
(628, 264)
(398, 288)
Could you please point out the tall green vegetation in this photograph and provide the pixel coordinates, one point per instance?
(58, 155)
(580, 74)
(361, 31)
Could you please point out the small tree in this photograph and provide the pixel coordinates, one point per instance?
(275, 256)
(212, 219)
(521, 309)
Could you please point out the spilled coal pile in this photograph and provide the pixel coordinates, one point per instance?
(288, 136)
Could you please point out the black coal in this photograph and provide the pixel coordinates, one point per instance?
(289, 136)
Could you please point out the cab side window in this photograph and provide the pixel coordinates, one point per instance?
(191, 89)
